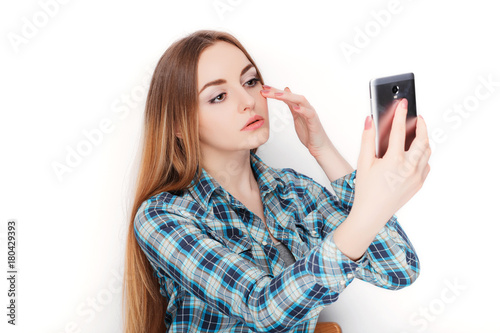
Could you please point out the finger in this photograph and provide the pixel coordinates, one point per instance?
(419, 151)
(292, 106)
(296, 108)
(367, 153)
(421, 140)
(424, 160)
(286, 96)
(270, 91)
(398, 129)
(426, 171)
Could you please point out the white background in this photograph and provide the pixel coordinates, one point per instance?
(80, 63)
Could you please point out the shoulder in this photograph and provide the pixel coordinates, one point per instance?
(164, 207)
(163, 201)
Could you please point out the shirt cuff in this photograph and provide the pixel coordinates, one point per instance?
(344, 269)
(344, 189)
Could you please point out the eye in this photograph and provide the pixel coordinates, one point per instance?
(218, 98)
(252, 82)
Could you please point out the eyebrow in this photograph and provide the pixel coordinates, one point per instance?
(221, 81)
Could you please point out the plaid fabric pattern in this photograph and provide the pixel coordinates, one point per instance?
(220, 272)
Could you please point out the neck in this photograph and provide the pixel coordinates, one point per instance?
(232, 170)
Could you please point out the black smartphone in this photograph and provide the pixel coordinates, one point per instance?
(385, 94)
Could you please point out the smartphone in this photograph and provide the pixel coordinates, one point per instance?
(385, 94)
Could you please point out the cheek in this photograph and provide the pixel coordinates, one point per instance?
(213, 121)
(261, 101)
(203, 124)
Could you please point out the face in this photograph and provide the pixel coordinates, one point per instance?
(229, 96)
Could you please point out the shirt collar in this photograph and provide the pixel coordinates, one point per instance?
(267, 178)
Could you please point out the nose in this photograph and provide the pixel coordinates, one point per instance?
(246, 100)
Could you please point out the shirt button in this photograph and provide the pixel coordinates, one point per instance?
(264, 243)
(342, 282)
(354, 181)
(314, 233)
(350, 276)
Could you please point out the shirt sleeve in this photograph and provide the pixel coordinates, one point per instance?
(208, 268)
(390, 261)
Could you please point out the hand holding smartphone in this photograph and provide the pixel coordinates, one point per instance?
(385, 95)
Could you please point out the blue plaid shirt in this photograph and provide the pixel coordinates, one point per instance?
(220, 272)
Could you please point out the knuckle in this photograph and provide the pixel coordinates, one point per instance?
(395, 157)
(425, 173)
(423, 143)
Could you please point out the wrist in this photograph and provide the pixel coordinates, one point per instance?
(371, 214)
(355, 234)
(332, 162)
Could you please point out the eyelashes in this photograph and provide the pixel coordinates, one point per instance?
(221, 97)
(255, 80)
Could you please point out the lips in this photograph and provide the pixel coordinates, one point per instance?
(253, 119)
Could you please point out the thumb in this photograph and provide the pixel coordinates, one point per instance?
(367, 153)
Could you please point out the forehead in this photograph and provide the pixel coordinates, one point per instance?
(220, 61)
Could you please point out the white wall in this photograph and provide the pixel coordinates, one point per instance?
(83, 67)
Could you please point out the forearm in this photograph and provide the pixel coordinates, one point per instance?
(332, 163)
(357, 232)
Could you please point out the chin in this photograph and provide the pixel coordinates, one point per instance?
(260, 138)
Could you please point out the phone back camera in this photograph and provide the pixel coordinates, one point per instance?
(395, 89)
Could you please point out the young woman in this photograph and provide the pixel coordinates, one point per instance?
(221, 242)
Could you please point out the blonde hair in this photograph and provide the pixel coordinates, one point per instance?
(168, 163)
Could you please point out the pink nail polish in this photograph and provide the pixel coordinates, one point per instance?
(368, 122)
(278, 94)
(265, 87)
(265, 91)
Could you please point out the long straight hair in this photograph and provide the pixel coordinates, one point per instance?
(168, 163)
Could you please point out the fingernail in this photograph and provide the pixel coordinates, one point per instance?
(266, 87)
(368, 122)
(404, 103)
(278, 94)
(265, 91)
